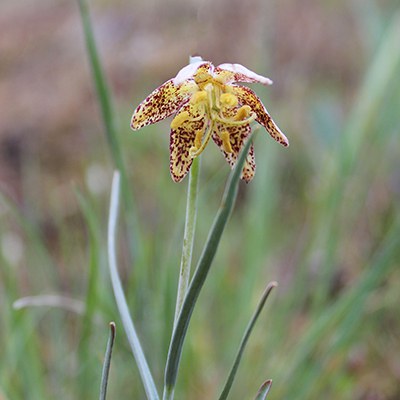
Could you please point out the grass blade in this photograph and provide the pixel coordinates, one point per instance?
(244, 340)
(147, 379)
(199, 277)
(103, 94)
(107, 114)
(264, 390)
(107, 362)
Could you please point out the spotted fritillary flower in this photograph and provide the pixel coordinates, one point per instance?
(208, 103)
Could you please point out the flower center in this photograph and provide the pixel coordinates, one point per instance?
(214, 103)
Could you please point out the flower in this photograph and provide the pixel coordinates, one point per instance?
(208, 103)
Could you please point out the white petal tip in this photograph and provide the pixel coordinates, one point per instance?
(187, 72)
(240, 69)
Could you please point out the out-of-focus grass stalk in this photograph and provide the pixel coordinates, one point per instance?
(34, 236)
(147, 378)
(200, 275)
(341, 319)
(23, 372)
(92, 294)
(107, 113)
(107, 362)
(243, 343)
(384, 68)
(188, 236)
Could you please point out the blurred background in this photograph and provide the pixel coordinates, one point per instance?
(321, 217)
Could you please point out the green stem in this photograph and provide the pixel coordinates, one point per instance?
(200, 274)
(188, 236)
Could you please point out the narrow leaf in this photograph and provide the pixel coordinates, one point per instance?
(147, 379)
(107, 362)
(264, 390)
(199, 277)
(107, 114)
(245, 338)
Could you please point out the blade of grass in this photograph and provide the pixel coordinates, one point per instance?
(107, 113)
(21, 368)
(147, 378)
(244, 340)
(264, 390)
(199, 277)
(107, 362)
(382, 71)
(50, 300)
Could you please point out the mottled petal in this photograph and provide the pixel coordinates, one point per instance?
(231, 73)
(182, 139)
(247, 97)
(190, 70)
(160, 104)
(249, 168)
(237, 136)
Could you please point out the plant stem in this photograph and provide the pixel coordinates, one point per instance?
(188, 236)
(200, 274)
(107, 362)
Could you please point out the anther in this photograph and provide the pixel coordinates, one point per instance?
(228, 100)
(199, 97)
(179, 119)
(198, 139)
(226, 144)
(242, 113)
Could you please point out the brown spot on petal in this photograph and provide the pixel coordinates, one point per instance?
(160, 104)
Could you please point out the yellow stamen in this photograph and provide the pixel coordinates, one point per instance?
(202, 77)
(197, 140)
(199, 97)
(179, 119)
(228, 100)
(195, 151)
(226, 144)
(242, 113)
(223, 77)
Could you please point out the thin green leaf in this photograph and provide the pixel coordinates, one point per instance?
(107, 114)
(244, 340)
(199, 277)
(147, 378)
(99, 81)
(264, 390)
(107, 362)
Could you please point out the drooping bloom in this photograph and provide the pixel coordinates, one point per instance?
(208, 103)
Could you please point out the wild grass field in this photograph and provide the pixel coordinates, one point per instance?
(321, 217)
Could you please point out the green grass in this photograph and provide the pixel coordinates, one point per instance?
(321, 218)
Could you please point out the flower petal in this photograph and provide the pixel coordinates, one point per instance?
(247, 97)
(237, 136)
(249, 168)
(160, 104)
(182, 139)
(239, 73)
(190, 70)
